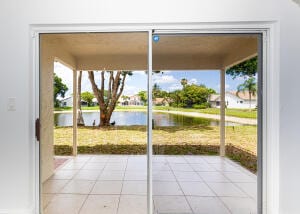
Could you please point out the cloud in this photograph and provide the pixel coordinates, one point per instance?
(238, 78)
(164, 79)
(174, 87)
(192, 81)
(130, 90)
(85, 82)
(66, 74)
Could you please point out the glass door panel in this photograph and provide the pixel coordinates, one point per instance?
(193, 170)
(108, 174)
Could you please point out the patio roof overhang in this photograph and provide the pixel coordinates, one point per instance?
(129, 51)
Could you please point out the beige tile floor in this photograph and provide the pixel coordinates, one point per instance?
(117, 184)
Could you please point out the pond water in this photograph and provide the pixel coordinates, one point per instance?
(128, 118)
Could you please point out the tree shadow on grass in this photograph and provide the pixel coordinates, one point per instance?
(169, 129)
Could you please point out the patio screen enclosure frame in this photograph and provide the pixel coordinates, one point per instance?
(266, 82)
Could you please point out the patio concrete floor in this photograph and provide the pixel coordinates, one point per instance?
(117, 184)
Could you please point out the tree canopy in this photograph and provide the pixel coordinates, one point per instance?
(247, 68)
(191, 96)
(60, 89)
(143, 96)
(87, 97)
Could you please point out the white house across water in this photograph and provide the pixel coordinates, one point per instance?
(234, 100)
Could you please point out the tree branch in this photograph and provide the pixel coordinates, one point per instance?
(122, 86)
(111, 81)
(97, 92)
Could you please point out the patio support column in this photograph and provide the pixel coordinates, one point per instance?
(222, 112)
(149, 127)
(74, 112)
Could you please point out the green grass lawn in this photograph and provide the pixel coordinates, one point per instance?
(242, 113)
(63, 108)
(241, 136)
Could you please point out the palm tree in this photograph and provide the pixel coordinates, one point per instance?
(184, 82)
(156, 91)
(250, 86)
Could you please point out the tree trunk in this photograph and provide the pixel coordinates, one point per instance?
(115, 88)
(104, 119)
(80, 120)
(249, 101)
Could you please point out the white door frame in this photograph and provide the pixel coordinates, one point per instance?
(270, 147)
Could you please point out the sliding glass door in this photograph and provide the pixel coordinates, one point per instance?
(150, 122)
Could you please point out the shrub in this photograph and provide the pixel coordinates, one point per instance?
(201, 106)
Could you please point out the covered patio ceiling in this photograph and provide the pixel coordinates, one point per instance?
(129, 51)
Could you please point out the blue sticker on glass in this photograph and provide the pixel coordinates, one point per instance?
(155, 38)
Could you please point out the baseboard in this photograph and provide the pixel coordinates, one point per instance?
(17, 211)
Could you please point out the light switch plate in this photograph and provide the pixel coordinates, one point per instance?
(11, 104)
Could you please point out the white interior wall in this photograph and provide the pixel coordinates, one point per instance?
(16, 147)
(289, 108)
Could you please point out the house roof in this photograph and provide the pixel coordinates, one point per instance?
(65, 98)
(241, 95)
(162, 100)
(158, 100)
(214, 97)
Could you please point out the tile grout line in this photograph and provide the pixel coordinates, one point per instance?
(69, 180)
(122, 186)
(171, 170)
(217, 197)
(179, 183)
(234, 183)
(91, 188)
(55, 194)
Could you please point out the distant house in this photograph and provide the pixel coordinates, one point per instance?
(95, 102)
(68, 102)
(159, 101)
(234, 100)
(133, 100)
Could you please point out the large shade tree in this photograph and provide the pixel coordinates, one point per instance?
(248, 70)
(87, 97)
(143, 96)
(191, 96)
(60, 89)
(244, 69)
(108, 101)
(195, 95)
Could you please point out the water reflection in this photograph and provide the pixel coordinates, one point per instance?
(128, 118)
